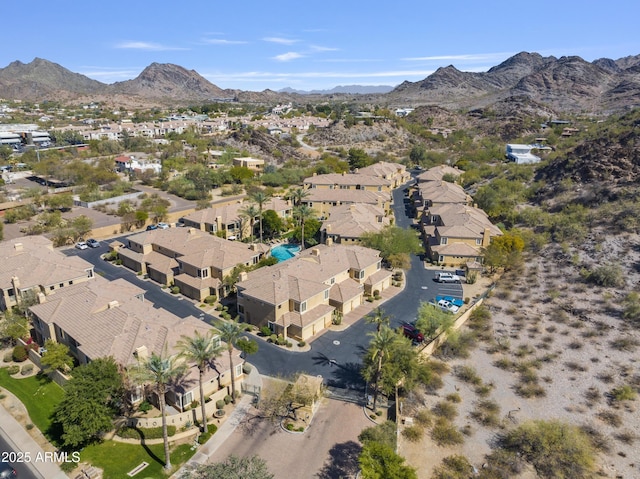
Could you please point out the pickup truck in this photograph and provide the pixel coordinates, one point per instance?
(455, 301)
(411, 332)
(446, 277)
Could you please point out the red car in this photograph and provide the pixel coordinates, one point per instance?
(412, 333)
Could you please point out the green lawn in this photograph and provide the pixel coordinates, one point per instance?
(117, 459)
(38, 393)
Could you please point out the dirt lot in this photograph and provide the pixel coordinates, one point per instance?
(557, 348)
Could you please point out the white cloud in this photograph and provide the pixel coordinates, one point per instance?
(473, 57)
(280, 40)
(222, 41)
(148, 46)
(318, 48)
(287, 57)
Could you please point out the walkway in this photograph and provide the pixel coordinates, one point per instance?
(226, 429)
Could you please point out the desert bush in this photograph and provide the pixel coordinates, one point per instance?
(444, 433)
(599, 440)
(624, 344)
(424, 418)
(624, 393)
(8, 357)
(453, 397)
(384, 433)
(555, 449)
(413, 433)
(593, 395)
(26, 369)
(246, 368)
(453, 467)
(611, 418)
(626, 437)
(574, 366)
(529, 390)
(467, 374)
(19, 353)
(11, 370)
(227, 399)
(487, 413)
(445, 409)
(483, 390)
(220, 404)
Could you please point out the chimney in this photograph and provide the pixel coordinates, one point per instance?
(242, 276)
(315, 252)
(113, 304)
(41, 298)
(15, 282)
(141, 353)
(329, 241)
(192, 231)
(18, 246)
(486, 237)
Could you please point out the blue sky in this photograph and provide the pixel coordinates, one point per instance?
(255, 45)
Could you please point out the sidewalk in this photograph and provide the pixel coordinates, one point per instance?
(21, 441)
(226, 429)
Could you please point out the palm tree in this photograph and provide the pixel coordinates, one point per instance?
(200, 349)
(302, 213)
(251, 211)
(230, 332)
(378, 318)
(160, 370)
(260, 198)
(297, 195)
(379, 349)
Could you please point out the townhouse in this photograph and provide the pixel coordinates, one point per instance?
(347, 223)
(395, 173)
(194, 261)
(298, 297)
(348, 181)
(30, 265)
(323, 200)
(455, 233)
(439, 192)
(438, 173)
(103, 318)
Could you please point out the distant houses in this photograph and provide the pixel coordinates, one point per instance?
(521, 154)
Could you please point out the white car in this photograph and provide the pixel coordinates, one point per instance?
(81, 245)
(163, 226)
(447, 306)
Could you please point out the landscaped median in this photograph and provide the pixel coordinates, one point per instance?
(41, 396)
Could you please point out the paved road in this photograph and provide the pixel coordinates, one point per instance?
(24, 470)
(334, 355)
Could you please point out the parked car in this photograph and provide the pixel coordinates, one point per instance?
(163, 226)
(152, 227)
(7, 470)
(455, 301)
(411, 332)
(93, 243)
(81, 245)
(446, 277)
(447, 306)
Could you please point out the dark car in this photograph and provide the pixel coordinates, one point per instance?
(411, 332)
(152, 227)
(7, 470)
(93, 243)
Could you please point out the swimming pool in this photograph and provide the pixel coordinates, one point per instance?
(284, 252)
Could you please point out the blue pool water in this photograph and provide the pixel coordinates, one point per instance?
(284, 252)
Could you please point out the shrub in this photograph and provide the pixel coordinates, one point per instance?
(29, 427)
(15, 369)
(445, 409)
(424, 418)
(26, 369)
(607, 275)
(246, 368)
(145, 406)
(453, 467)
(444, 433)
(175, 290)
(236, 394)
(265, 331)
(145, 432)
(453, 397)
(624, 393)
(210, 299)
(227, 399)
(220, 404)
(19, 353)
(204, 437)
(467, 374)
(8, 357)
(194, 404)
(487, 413)
(302, 344)
(413, 433)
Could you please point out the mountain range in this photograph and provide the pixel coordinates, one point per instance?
(568, 84)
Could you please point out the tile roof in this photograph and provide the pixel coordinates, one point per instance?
(346, 179)
(437, 173)
(442, 192)
(354, 220)
(346, 196)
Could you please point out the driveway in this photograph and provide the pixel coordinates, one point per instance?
(325, 450)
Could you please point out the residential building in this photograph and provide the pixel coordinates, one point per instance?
(456, 233)
(323, 200)
(254, 164)
(194, 261)
(131, 164)
(228, 220)
(298, 297)
(437, 173)
(30, 265)
(430, 193)
(521, 154)
(103, 318)
(347, 223)
(348, 181)
(395, 173)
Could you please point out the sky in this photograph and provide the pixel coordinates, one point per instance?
(256, 45)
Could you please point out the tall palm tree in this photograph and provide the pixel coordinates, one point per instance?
(160, 371)
(251, 212)
(302, 213)
(379, 350)
(297, 195)
(201, 350)
(259, 197)
(230, 332)
(378, 318)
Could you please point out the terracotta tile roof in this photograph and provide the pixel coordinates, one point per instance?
(350, 179)
(345, 291)
(305, 319)
(377, 277)
(437, 172)
(442, 192)
(457, 248)
(346, 196)
(352, 221)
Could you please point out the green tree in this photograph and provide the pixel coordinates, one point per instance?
(297, 195)
(378, 317)
(160, 371)
(232, 467)
(63, 201)
(432, 320)
(201, 350)
(91, 401)
(57, 356)
(379, 461)
(395, 245)
(377, 353)
(230, 332)
(251, 212)
(81, 225)
(260, 198)
(303, 214)
(272, 223)
(14, 326)
(358, 158)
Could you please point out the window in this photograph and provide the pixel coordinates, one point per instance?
(89, 273)
(240, 309)
(238, 370)
(333, 280)
(379, 265)
(478, 241)
(443, 240)
(303, 306)
(326, 294)
(187, 399)
(203, 273)
(61, 285)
